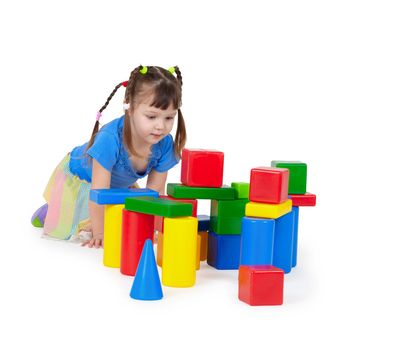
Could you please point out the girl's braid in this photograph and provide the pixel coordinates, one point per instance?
(131, 87)
(110, 97)
(178, 74)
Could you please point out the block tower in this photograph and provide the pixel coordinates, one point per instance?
(114, 204)
(269, 231)
(297, 193)
(202, 178)
(179, 241)
(260, 280)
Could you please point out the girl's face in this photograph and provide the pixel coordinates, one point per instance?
(150, 124)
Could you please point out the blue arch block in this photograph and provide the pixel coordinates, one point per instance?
(257, 239)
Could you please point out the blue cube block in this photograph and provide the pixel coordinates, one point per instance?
(224, 251)
(295, 240)
(257, 239)
(203, 222)
(283, 242)
(118, 195)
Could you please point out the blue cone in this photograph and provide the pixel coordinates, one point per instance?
(146, 284)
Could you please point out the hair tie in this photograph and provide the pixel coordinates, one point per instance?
(99, 115)
(125, 83)
(126, 106)
(144, 70)
(172, 70)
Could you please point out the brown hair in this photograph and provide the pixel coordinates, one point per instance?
(166, 88)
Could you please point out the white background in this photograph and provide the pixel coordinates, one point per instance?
(315, 81)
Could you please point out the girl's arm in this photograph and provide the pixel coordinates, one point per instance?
(156, 181)
(101, 178)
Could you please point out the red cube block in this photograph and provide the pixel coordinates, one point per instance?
(269, 185)
(158, 220)
(260, 285)
(202, 168)
(303, 200)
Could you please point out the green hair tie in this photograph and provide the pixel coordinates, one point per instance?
(171, 70)
(144, 70)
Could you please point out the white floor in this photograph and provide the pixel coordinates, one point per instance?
(58, 294)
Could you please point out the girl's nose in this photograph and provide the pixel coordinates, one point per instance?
(160, 125)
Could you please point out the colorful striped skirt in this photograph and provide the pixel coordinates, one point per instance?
(68, 203)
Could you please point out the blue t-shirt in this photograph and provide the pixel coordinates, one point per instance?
(109, 151)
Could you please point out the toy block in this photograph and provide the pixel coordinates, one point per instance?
(146, 284)
(226, 216)
(257, 241)
(268, 185)
(112, 235)
(202, 168)
(204, 222)
(204, 244)
(179, 252)
(136, 229)
(158, 220)
(118, 195)
(283, 242)
(223, 251)
(181, 191)
(303, 200)
(268, 211)
(160, 248)
(295, 210)
(198, 251)
(298, 172)
(158, 206)
(241, 189)
(260, 285)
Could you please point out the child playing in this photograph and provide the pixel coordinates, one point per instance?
(136, 145)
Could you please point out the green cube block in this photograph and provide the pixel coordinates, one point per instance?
(241, 189)
(181, 191)
(298, 172)
(226, 216)
(158, 206)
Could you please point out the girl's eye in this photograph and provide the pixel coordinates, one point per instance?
(169, 118)
(150, 117)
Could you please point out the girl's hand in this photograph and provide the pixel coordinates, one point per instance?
(96, 241)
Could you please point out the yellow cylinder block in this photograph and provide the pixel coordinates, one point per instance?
(112, 234)
(179, 251)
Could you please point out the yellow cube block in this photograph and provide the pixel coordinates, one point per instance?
(112, 235)
(268, 211)
(179, 251)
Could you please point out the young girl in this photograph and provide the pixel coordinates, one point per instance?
(136, 145)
